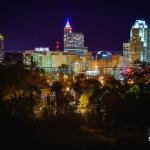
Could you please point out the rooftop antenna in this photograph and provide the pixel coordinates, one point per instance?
(57, 45)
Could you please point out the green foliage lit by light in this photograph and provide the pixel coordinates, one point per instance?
(84, 101)
(135, 89)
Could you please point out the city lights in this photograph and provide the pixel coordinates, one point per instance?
(76, 84)
(67, 89)
(101, 79)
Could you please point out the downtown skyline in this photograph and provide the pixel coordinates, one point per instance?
(106, 26)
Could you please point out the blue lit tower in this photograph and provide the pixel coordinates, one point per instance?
(139, 41)
(73, 42)
(68, 41)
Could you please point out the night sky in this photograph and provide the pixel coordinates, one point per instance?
(105, 24)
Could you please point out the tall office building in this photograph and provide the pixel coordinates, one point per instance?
(139, 41)
(1, 47)
(148, 52)
(68, 40)
(127, 52)
(73, 42)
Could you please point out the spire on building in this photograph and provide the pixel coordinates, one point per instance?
(67, 24)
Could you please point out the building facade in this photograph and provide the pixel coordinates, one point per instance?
(49, 60)
(1, 47)
(139, 37)
(73, 42)
(127, 52)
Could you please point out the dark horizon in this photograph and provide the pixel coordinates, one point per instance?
(29, 24)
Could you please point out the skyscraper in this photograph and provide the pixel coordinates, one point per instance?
(73, 42)
(139, 41)
(127, 52)
(68, 40)
(1, 47)
(148, 52)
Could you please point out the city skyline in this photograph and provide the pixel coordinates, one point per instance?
(29, 25)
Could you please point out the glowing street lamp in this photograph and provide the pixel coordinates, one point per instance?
(67, 89)
(96, 67)
(101, 79)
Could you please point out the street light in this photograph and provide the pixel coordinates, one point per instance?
(67, 89)
(96, 66)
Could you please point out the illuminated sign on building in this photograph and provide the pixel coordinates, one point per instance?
(42, 49)
(103, 55)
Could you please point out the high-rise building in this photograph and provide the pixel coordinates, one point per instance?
(73, 42)
(148, 52)
(1, 47)
(68, 40)
(127, 52)
(1, 42)
(139, 41)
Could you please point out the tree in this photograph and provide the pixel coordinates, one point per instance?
(20, 88)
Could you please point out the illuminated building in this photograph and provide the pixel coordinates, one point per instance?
(103, 55)
(1, 47)
(117, 60)
(71, 58)
(42, 58)
(139, 41)
(93, 73)
(27, 57)
(67, 58)
(1, 42)
(87, 56)
(41, 49)
(49, 60)
(103, 65)
(106, 64)
(80, 66)
(148, 52)
(127, 52)
(68, 41)
(58, 59)
(73, 42)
